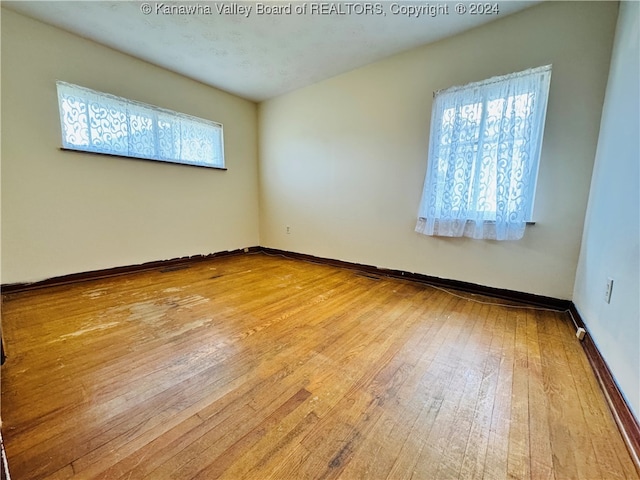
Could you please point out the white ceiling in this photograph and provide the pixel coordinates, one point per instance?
(259, 56)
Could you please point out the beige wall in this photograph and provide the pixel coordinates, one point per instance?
(611, 241)
(342, 162)
(66, 212)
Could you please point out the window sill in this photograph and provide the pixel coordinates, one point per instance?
(89, 152)
(489, 222)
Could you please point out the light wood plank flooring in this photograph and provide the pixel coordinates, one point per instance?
(259, 367)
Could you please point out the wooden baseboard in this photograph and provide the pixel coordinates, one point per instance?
(115, 271)
(512, 295)
(4, 466)
(626, 421)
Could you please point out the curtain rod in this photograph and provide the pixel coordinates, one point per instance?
(496, 79)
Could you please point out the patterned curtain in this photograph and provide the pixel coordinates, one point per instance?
(484, 151)
(97, 122)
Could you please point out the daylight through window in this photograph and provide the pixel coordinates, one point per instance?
(484, 152)
(98, 122)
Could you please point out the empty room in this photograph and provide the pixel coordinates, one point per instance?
(304, 240)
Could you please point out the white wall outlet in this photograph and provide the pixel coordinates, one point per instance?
(580, 333)
(609, 289)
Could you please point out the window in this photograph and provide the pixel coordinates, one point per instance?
(97, 122)
(484, 151)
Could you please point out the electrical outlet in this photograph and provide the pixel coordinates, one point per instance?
(609, 289)
(288, 229)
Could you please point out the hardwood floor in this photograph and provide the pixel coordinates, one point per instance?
(256, 367)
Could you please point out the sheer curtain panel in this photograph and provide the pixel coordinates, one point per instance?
(101, 123)
(484, 151)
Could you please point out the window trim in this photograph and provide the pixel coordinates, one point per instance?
(146, 108)
(146, 159)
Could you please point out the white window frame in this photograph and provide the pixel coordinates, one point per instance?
(168, 136)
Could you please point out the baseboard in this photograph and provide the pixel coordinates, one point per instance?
(526, 298)
(115, 271)
(627, 423)
(4, 466)
(512, 295)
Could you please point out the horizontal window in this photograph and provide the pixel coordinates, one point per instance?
(101, 123)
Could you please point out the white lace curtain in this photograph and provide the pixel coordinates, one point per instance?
(484, 151)
(102, 123)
